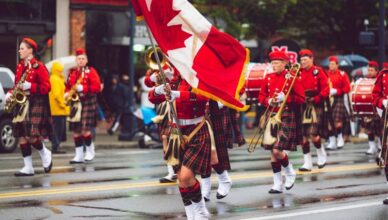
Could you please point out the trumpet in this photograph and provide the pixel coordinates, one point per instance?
(269, 123)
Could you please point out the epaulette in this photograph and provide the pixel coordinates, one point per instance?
(315, 71)
(35, 65)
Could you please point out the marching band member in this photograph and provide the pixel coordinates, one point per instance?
(85, 82)
(152, 79)
(288, 138)
(380, 100)
(340, 86)
(372, 124)
(223, 135)
(316, 90)
(32, 80)
(195, 155)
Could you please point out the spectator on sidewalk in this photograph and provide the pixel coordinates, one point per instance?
(117, 99)
(59, 111)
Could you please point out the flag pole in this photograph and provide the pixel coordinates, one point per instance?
(163, 77)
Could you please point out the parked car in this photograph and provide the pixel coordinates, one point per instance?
(7, 141)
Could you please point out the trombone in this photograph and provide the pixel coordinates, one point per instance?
(271, 119)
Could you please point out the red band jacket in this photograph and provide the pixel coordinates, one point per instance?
(314, 80)
(90, 82)
(38, 76)
(339, 81)
(380, 90)
(274, 82)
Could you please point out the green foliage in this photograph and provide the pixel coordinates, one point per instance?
(333, 24)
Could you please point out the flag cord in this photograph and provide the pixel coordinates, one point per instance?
(163, 77)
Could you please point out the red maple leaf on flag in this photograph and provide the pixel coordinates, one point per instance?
(174, 34)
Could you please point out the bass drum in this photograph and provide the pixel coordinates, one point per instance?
(254, 79)
(362, 98)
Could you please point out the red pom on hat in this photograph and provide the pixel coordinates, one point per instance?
(80, 51)
(373, 64)
(306, 52)
(333, 59)
(31, 42)
(278, 55)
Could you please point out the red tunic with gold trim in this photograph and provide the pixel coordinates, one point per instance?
(190, 107)
(340, 81)
(316, 87)
(91, 87)
(289, 135)
(38, 122)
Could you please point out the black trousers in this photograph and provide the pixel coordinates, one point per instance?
(59, 131)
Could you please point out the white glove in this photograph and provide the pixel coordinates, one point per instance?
(385, 103)
(80, 88)
(174, 95)
(160, 90)
(153, 77)
(169, 74)
(7, 96)
(25, 86)
(220, 105)
(280, 97)
(333, 91)
(271, 102)
(65, 95)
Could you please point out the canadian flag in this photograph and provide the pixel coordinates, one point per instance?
(212, 62)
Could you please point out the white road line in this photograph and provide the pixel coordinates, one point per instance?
(318, 211)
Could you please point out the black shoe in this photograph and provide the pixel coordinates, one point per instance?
(288, 188)
(48, 169)
(59, 152)
(321, 166)
(273, 191)
(75, 162)
(109, 131)
(219, 196)
(385, 201)
(166, 180)
(302, 169)
(23, 174)
(206, 199)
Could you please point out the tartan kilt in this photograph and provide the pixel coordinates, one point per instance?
(289, 134)
(196, 154)
(372, 125)
(314, 128)
(223, 136)
(163, 126)
(88, 115)
(38, 121)
(340, 113)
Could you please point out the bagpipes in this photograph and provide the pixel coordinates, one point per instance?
(309, 114)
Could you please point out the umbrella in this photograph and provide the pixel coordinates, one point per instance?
(343, 61)
(67, 62)
(357, 60)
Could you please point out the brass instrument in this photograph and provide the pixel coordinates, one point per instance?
(150, 58)
(18, 96)
(270, 124)
(73, 95)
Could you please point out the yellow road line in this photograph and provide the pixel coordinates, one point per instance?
(84, 189)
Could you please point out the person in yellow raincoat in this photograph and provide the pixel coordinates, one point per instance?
(59, 110)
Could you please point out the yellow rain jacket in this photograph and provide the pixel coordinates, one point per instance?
(56, 95)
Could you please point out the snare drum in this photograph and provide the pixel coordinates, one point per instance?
(362, 98)
(254, 79)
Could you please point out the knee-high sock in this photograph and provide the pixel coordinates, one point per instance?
(25, 149)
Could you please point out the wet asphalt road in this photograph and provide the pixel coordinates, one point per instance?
(123, 184)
